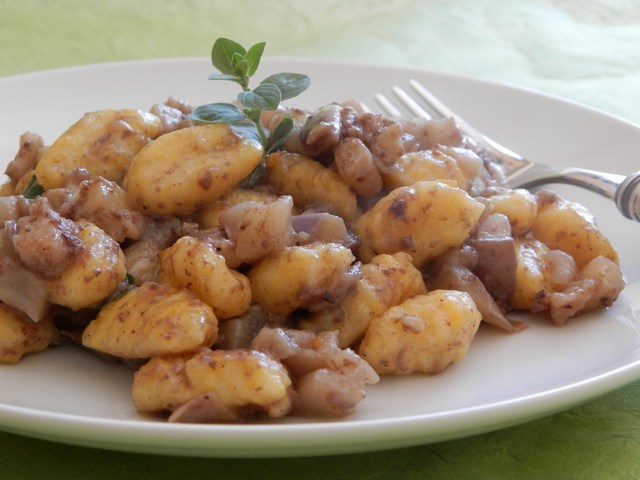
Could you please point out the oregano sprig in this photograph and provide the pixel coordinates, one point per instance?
(33, 189)
(237, 64)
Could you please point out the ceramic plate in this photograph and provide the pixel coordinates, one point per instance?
(70, 396)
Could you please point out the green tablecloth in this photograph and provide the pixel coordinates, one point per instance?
(585, 51)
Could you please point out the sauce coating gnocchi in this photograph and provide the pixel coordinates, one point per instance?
(241, 284)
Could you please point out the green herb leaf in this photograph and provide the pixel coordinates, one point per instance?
(253, 57)
(290, 84)
(237, 64)
(254, 177)
(265, 96)
(126, 286)
(240, 67)
(223, 52)
(246, 130)
(34, 189)
(281, 133)
(218, 113)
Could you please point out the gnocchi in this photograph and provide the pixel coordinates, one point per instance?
(300, 276)
(571, 228)
(93, 275)
(311, 184)
(193, 264)
(19, 335)
(243, 282)
(424, 220)
(425, 333)
(167, 382)
(184, 170)
(519, 206)
(386, 281)
(153, 319)
(103, 142)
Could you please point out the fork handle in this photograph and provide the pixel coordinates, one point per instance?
(624, 191)
(627, 196)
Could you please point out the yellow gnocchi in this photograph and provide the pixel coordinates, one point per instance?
(310, 184)
(570, 227)
(298, 276)
(19, 335)
(193, 264)
(530, 274)
(519, 206)
(152, 320)
(102, 142)
(423, 220)
(238, 378)
(95, 273)
(209, 215)
(184, 170)
(425, 333)
(423, 165)
(386, 281)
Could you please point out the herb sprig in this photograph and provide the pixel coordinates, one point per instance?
(33, 189)
(237, 64)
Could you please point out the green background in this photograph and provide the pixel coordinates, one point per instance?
(584, 51)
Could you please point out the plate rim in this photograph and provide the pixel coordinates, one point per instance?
(148, 437)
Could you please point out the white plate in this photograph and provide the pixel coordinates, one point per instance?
(67, 395)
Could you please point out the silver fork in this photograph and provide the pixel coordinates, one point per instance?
(520, 172)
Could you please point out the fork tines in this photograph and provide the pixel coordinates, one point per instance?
(431, 103)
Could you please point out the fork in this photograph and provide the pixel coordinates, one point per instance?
(519, 171)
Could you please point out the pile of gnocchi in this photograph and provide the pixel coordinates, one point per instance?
(240, 285)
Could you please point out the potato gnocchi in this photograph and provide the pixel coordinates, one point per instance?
(243, 284)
